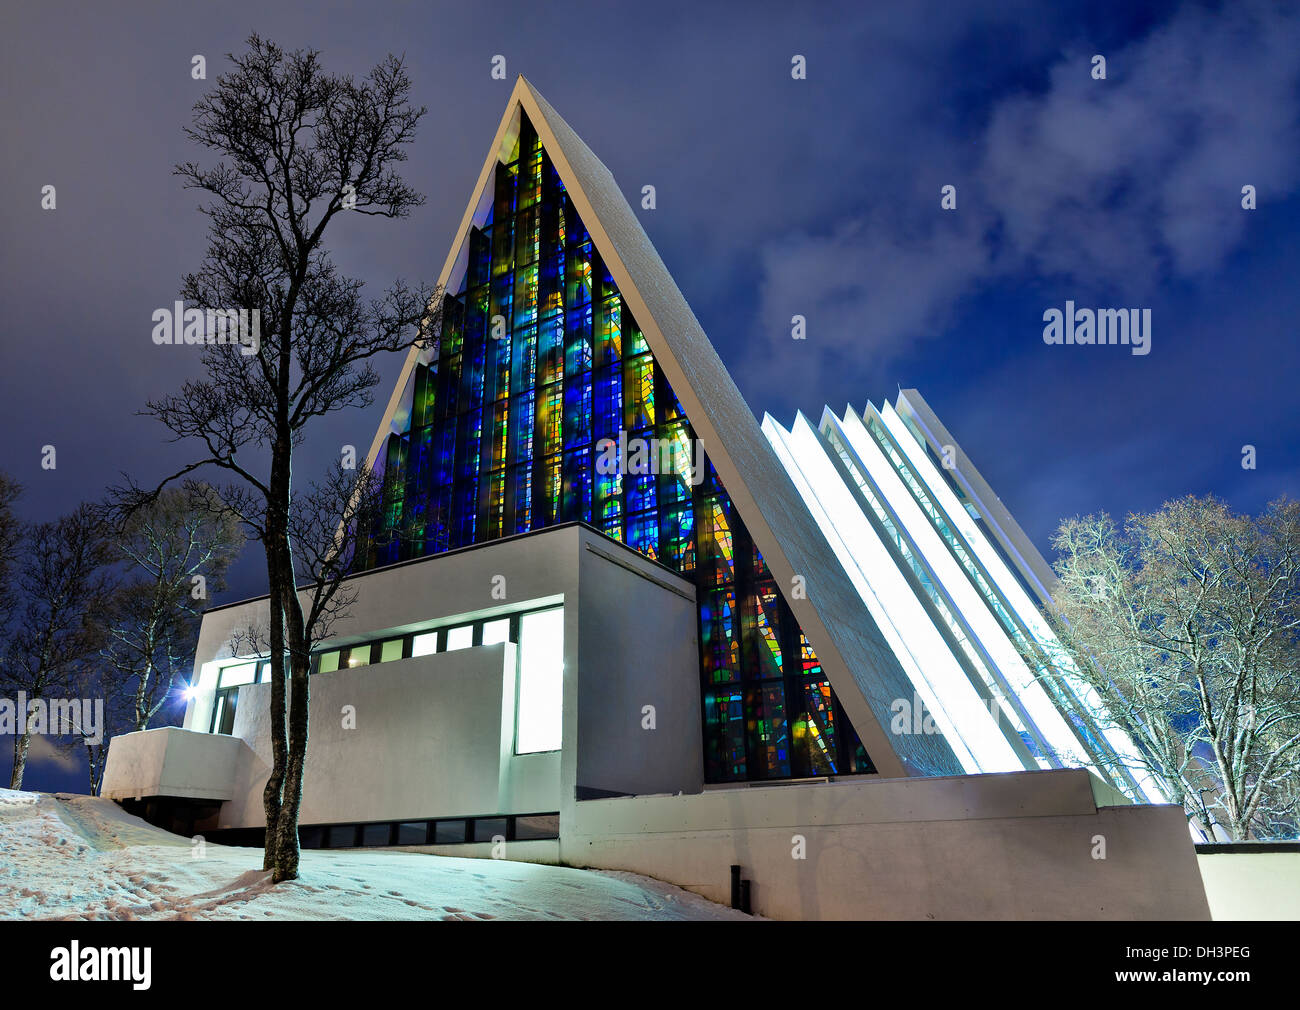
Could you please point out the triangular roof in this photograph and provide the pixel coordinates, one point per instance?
(859, 664)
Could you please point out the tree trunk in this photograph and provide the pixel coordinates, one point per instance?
(287, 850)
(21, 746)
(282, 591)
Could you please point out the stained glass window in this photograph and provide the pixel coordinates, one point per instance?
(539, 360)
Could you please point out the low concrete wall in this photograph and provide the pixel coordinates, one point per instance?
(171, 761)
(414, 738)
(1248, 882)
(1014, 846)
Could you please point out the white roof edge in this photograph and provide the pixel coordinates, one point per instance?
(852, 650)
(1019, 548)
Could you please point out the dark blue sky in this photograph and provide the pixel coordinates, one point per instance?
(818, 197)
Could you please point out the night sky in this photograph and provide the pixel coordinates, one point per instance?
(776, 196)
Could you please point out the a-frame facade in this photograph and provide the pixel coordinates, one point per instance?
(562, 329)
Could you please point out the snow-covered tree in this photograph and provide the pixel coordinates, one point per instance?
(1187, 622)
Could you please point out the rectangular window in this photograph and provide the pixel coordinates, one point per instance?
(448, 832)
(496, 631)
(425, 645)
(233, 676)
(460, 638)
(392, 649)
(541, 681)
(359, 655)
(413, 833)
(488, 828)
(329, 661)
(376, 834)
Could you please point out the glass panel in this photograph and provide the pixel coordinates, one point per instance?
(460, 638)
(538, 826)
(724, 721)
(813, 731)
(765, 724)
(496, 631)
(227, 724)
(759, 630)
(232, 676)
(721, 643)
(412, 833)
(329, 661)
(424, 645)
(487, 828)
(376, 834)
(341, 836)
(541, 681)
(392, 649)
(359, 655)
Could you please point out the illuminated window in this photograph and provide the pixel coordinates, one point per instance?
(496, 631)
(233, 676)
(541, 681)
(460, 638)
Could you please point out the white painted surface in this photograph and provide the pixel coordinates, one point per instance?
(1011, 846)
(426, 743)
(171, 761)
(1252, 885)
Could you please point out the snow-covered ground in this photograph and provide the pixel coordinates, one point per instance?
(80, 857)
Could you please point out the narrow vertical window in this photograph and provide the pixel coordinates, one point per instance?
(541, 681)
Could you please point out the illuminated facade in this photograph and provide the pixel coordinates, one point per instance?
(607, 617)
(543, 365)
(957, 588)
(541, 360)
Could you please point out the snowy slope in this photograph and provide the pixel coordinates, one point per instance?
(80, 857)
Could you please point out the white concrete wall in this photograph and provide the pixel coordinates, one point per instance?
(1012, 846)
(1245, 885)
(630, 640)
(170, 761)
(638, 647)
(427, 742)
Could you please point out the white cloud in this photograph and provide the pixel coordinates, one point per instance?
(1105, 187)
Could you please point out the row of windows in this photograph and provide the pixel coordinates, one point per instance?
(539, 634)
(442, 831)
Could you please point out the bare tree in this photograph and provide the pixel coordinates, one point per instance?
(11, 531)
(177, 549)
(90, 678)
(1187, 623)
(63, 577)
(299, 148)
